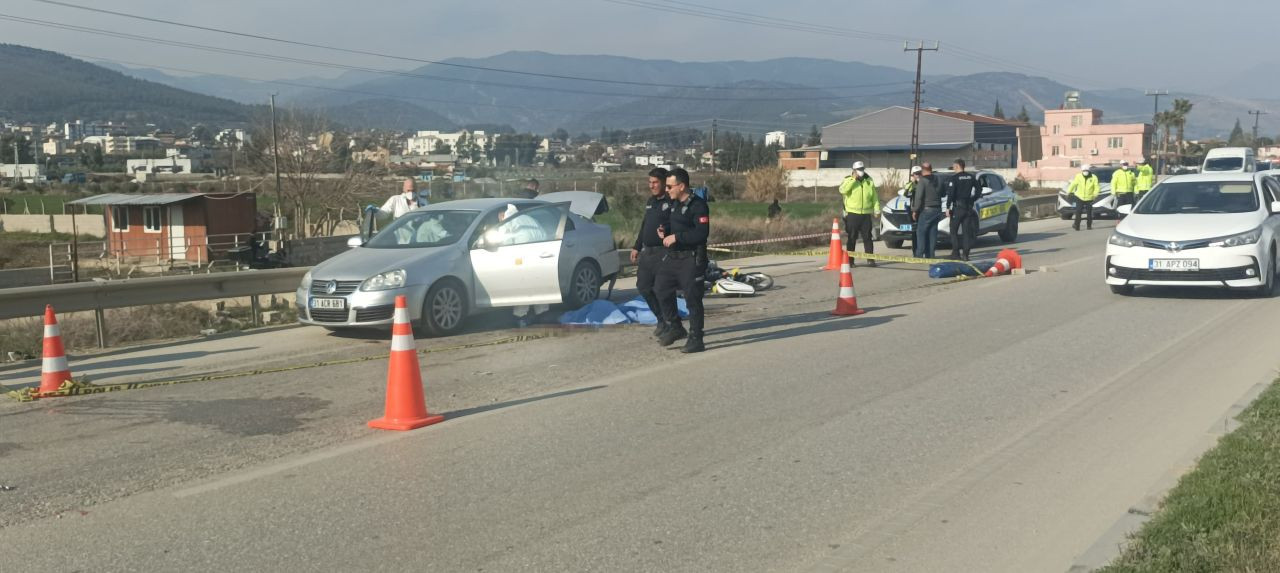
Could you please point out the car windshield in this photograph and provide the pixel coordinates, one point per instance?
(420, 229)
(1104, 175)
(1200, 197)
(1224, 164)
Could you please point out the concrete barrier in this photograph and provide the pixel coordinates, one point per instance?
(92, 225)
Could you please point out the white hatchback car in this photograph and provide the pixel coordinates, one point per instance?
(1212, 229)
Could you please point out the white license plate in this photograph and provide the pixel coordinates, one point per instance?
(1174, 265)
(905, 227)
(329, 303)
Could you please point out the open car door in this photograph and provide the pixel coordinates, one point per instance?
(518, 261)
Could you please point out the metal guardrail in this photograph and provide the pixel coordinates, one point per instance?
(99, 295)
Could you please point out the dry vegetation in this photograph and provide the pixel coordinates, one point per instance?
(126, 326)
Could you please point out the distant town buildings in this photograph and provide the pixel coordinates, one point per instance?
(1076, 136)
(778, 138)
(426, 142)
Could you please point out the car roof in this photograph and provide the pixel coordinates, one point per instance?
(474, 204)
(1216, 176)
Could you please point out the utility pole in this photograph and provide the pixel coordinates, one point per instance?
(16, 164)
(915, 113)
(1155, 111)
(713, 146)
(275, 159)
(1257, 114)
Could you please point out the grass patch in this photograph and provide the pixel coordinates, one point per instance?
(1225, 514)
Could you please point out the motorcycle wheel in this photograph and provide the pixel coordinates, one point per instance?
(760, 281)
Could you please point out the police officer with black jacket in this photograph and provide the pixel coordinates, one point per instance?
(963, 192)
(648, 250)
(685, 263)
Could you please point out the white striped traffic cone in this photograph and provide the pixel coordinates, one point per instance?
(406, 407)
(847, 301)
(53, 369)
(835, 257)
(1006, 260)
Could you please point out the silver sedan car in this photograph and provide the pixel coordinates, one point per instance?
(456, 258)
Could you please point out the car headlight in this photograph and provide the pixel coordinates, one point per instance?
(1245, 238)
(306, 282)
(385, 281)
(1123, 240)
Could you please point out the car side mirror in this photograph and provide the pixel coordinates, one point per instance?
(987, 191)
(1124, 209)
(355, 242)
(1275, 206)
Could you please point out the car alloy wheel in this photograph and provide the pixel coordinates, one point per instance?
(586, 284)
(444, 310)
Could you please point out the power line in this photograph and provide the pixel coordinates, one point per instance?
(385, 95)
(412, 75)
(426, 61)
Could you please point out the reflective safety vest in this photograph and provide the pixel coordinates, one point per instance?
(860, 195)
(1084, 188)
(1146, 178)
(1122, 181)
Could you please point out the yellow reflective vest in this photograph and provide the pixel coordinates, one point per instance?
(1146, 178)
(1084, 188)
(860, 195)
(1122, 181)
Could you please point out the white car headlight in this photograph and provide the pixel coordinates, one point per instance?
(1123, 240)
(1245, 238)
(306, 282)
(385, 281)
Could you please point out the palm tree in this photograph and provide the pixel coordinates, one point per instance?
(1167, 120)
(1181, 109)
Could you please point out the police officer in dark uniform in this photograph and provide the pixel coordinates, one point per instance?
(685, 263)
(963, 192)
(648, 250)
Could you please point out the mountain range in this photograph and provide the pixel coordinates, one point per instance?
(581, 93)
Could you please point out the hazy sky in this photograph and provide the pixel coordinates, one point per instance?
(1115, 43)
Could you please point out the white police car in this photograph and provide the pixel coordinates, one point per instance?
(998, 212)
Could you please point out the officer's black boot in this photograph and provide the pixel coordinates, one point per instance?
(662, 327)
(673, 333)
(694, 344)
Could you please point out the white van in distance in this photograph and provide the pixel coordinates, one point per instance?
(1230, 160)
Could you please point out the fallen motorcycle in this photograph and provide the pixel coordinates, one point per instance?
(735, 282)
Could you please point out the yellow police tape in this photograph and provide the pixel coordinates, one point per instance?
(855, 254)
(81, 388)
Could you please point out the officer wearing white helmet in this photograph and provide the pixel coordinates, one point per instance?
(1084, 188)
(861, 203)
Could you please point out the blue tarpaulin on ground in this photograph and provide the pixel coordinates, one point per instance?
(603, 312)
(949, 270)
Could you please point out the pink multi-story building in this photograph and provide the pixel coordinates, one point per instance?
(1071, 138)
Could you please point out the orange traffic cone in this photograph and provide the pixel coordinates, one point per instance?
(54, 370)
(406, 407)
(847, 301)
(836, 257)
(1006, 260)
